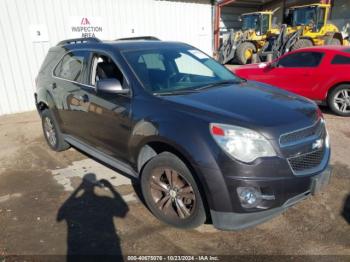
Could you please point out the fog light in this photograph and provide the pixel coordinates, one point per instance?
(249, 196)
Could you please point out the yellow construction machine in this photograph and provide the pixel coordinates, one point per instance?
(316, 30)
(242, 44)
(305, 26)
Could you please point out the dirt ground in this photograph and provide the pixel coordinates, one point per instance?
(40, 213)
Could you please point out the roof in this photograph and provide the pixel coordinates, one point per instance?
(144, 44)
(121, 44)
(244, 3)
(329, 48)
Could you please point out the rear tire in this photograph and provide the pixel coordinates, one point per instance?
(171, 193)
(339, 100)
(301, 43)
(245, 53)
(52, 133)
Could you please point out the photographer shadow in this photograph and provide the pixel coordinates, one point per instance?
(89, 218)
(346, 209)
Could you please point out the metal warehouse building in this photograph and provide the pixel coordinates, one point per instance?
(29, 27)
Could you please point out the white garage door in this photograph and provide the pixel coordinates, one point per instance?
(28, 28)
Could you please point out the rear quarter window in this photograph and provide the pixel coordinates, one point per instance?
(70, 67)
(341, 60)
(50, 61)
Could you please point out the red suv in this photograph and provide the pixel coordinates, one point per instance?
(319, 73)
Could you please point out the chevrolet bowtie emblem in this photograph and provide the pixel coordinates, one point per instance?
(318, 144)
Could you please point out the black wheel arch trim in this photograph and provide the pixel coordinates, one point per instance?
(209, 180)
(330, 90)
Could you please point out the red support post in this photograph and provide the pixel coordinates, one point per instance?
(218, 7)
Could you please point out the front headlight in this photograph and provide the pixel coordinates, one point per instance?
(241, 143)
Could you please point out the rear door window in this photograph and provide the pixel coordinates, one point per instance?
(341, 60)
(301, 59)
(71, 66)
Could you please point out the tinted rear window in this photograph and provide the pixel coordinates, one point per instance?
(341, 60)
(301, 59)
(347, 50)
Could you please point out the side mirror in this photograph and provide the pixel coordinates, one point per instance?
(240, 19)
(111, 86)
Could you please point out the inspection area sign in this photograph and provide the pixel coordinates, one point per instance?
(86, 26)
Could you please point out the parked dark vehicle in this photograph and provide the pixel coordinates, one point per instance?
(204, 144)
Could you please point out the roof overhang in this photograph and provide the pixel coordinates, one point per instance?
(244, 3)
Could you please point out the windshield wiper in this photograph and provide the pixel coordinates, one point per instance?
(196, 90)
(226, 82)
(175, 92)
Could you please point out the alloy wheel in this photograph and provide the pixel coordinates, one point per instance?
(172, 193)
(342, 100)
(50, 131)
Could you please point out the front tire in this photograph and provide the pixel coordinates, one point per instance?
(339, 100)
(52, 133)
(171, 193)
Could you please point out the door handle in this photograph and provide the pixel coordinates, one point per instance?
(84, 98)
(53, 85)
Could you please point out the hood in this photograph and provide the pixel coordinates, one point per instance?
(246, 70)
(251, 104)
(248, 66)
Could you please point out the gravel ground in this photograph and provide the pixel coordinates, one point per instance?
(40, 215)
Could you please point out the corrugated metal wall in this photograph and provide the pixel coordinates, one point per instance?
(20, 58)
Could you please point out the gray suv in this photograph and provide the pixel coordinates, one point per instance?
(204, 144)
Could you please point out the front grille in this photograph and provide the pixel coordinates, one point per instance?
(315, 131)
(307, 161)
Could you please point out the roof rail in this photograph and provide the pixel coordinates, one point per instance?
(80, 41)
(140, 38)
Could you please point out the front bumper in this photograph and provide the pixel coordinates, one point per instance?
(236, 221)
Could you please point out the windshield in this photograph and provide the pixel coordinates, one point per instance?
(304, 16)
(250, 22)
(173, 70)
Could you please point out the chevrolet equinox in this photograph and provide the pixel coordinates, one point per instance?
(204, 144)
